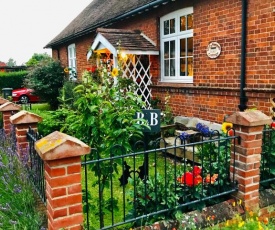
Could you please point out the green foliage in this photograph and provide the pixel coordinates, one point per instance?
(167, 115)
(53, 121)
(156, 193)
(67, 96)
(57, 120)
(216, 162)
(11, 62)
(103, 118)
(13, 80)
(105, 114)
(268, 156)
(17, 201)
(46, 78)
(37, 58)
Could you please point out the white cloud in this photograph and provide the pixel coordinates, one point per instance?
(28, 25)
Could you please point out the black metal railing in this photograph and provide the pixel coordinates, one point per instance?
(35, 165)
(267, 168)
(144, 186)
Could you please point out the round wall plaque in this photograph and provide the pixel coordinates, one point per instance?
(213, 49)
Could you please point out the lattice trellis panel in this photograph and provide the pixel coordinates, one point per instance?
(137, 68)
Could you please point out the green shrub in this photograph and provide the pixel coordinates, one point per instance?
(46, 78)
(13, 80)
(53, 121)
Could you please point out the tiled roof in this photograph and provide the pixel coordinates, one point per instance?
(100, 13)
(130, 40)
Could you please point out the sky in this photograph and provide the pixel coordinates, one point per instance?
(28, 25)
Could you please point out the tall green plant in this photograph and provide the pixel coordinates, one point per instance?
(104, 117)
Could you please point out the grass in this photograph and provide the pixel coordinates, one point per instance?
(17, 201)
(36, 107)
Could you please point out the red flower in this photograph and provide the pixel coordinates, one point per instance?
(231, 132)
(92, 69)
(196, 170)
(190, 179)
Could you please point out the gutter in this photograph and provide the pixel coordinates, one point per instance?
(243, 99)
(138, 10)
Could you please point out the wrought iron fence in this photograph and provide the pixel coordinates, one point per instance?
(267, 168)
(128, 190)
(35, 165)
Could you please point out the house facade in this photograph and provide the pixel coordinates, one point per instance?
(214, 57)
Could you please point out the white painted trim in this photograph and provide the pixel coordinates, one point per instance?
(176, 36)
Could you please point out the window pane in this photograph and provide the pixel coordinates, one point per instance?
(182, 23)
(166, 27)
(70, 52)
(190, 46)
(190, 66)
(172, 49)
(183, 47)
(182, 67)
(74, 54)
(166, 67)
(166, 50)
(172, 67)
(190, 21)
(172, 26)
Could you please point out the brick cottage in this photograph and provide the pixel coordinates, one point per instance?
(213, 57)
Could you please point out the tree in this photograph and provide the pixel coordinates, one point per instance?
(46, 78)
(37, 58)
(11, 62)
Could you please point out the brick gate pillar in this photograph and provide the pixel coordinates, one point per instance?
(8, 109)
(3, 101)
(22, 121)
(61, 154)
(249, 126)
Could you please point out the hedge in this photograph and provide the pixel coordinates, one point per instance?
(12, 79)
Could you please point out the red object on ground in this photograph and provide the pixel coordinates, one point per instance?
(24, 96)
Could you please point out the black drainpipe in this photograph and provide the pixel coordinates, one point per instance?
(243, 98)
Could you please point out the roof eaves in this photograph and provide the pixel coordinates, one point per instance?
(90, 29)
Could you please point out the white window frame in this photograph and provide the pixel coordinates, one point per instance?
(72, 61)
(176, 36)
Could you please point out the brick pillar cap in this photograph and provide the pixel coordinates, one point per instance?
(249, 118)
(58, 145)
(25, 117)
(3, 101)
(9, 106)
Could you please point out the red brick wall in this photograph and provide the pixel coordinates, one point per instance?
(261, 44)
(82, 44)
(216, 88)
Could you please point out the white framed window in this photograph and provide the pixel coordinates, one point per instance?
(72, 62)
(176, 37)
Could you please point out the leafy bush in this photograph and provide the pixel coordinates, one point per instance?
(13, 80)
(53, 121)
(56, 120)
(17, 202)
(37, 58)
(46, 78)
(154, 194)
